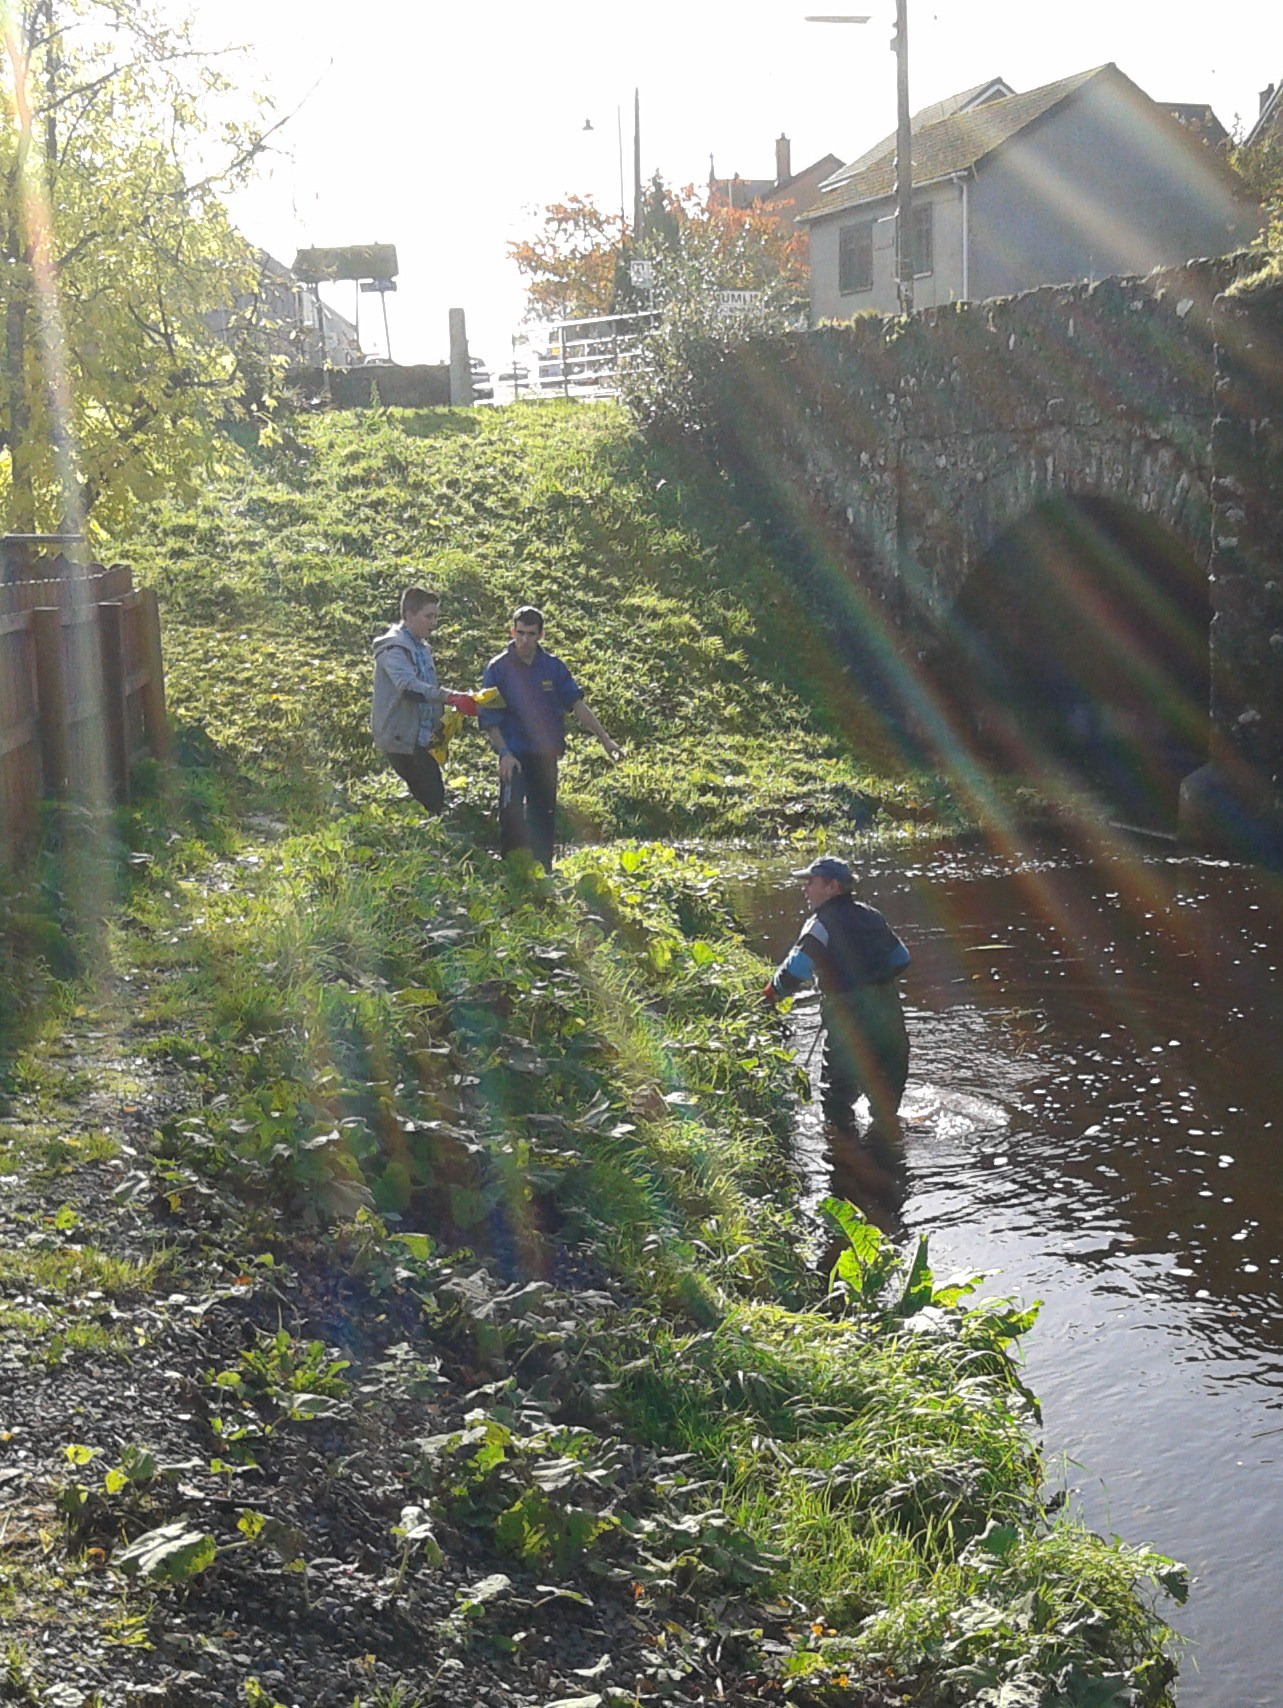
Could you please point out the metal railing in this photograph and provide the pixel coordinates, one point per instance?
(584, 357)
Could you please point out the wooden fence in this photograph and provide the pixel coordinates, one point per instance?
(82, 692)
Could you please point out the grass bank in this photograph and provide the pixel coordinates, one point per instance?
(405, 1298)
(692, 647)
(408, 1296)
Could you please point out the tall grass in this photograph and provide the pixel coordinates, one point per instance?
(390, 1036)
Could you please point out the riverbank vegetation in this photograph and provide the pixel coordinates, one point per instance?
(406, 1294)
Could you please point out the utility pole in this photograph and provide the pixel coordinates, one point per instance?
(619, 140)
(638, 219)
(903, 145)
(903, 161)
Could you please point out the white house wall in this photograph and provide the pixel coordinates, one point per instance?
(1102, 185)
(944, 284)
(1098, 189)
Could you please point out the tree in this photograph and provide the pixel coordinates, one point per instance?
(572, 263)
(577, 265)
(742, 249)
(1262, 167)
(699, 255)
(115, 246)
(702, 259)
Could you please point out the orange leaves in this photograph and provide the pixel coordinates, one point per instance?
(571, 262)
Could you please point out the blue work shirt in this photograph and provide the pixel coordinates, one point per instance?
(536, 698)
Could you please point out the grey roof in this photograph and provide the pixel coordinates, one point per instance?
(960, 142)
(767, 189)
(1197, 116)
(991, 89)
(952, 144)
(1269, 119)
(742, 192)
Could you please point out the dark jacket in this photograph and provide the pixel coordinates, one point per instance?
(846, 945)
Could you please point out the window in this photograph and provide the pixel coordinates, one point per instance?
(923, 239)
(855, 257)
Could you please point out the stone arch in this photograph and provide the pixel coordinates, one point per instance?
(1163, 478)
(1077, 652)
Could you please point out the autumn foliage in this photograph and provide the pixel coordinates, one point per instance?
(572, 261)
(577, 263)
(749, 248)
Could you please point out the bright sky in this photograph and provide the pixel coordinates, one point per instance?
(444, 128)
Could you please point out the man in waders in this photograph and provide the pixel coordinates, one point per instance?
(856, 956)
(529, 734)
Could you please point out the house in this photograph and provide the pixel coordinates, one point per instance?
(1267, 132)
(280, 319)
(1199, 117)
(1080, 179)
(965, 102)
(784, 198)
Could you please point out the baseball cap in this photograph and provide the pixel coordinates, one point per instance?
(828, 866)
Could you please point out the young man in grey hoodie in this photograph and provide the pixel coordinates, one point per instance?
(405, 713)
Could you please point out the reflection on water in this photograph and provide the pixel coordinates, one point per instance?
(1092, 1116)
(870, 1169)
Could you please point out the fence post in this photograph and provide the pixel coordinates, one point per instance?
(51, 697)
(155, 716)
(115, 727)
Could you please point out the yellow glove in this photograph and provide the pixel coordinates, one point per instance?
(451, 724)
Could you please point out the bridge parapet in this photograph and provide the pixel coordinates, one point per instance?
(903, 452)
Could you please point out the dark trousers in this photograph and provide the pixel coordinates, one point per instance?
(528, 807)
(422, 777)
(866, 1049)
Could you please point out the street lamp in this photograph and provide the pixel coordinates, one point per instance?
(903, 145)
(619, 140)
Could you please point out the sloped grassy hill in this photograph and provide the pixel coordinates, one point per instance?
(691, 645)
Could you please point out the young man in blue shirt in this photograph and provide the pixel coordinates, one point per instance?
(853, 952)
(529, 734)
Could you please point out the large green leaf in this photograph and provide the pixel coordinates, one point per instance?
(171, 1554)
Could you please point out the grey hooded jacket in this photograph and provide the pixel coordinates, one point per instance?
(406, 708)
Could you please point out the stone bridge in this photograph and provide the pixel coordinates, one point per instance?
(1050, 526)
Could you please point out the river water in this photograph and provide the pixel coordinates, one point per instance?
(1093, 1119)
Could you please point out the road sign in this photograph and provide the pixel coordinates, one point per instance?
(738, 302)
(356, 261)
(641, 271)
(380, 285)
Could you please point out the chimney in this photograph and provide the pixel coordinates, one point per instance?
(783, 160)
(1267, 95)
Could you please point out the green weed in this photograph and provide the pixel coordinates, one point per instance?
(39, 1146)
(73, 1270)
(402, 1053)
